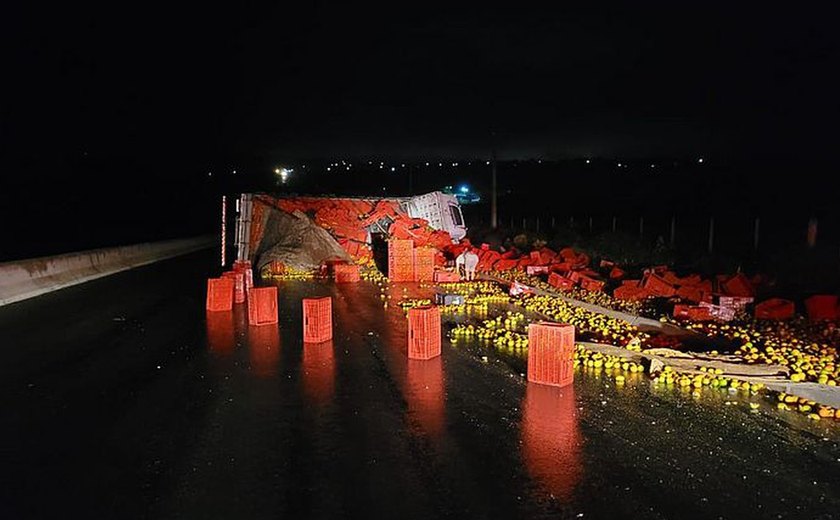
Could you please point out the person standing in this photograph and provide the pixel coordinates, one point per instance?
(470, 264)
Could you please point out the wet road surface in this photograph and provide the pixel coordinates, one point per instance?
(124, 399)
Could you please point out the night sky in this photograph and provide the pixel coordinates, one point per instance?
(96, 96)
(331, 80)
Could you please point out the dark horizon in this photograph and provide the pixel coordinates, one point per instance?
(115, 116)
(193, 86)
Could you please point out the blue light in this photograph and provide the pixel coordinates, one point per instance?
(465, 189)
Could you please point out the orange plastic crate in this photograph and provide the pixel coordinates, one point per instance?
(692, 312)
(775, 309)
(821, 307)
(346, 273)
(560, 282)
(219, 294)
(738, 285)
(551, 348)
(262, 306)
(694, 294)
(244, 267)
(424, 264)
(317, 319)
(591, 284)
(447, 276)
(401, 260)
(423, 332)
(630, 292)
(657, 286)
(400, 248)
(239, 285)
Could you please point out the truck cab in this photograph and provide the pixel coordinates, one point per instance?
(441, 210)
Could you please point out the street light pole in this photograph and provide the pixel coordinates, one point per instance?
(493, 207)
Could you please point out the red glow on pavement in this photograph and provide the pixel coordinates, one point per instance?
(318, 367)
(425, 394)
(264, 349)
(551, 440)
(220, 337)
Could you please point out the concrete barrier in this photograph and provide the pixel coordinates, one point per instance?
(24, 279)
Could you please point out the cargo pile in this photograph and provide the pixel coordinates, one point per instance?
(808, 349)
(506, 332)
(351, 221)
(335, 234)
(237, 287)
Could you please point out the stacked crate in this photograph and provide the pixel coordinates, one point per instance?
(220, 293)
(262, 306)
(551, 349)
(239, 289)
(424, 332)
(317, 320)
(401, 260)
(424, 264)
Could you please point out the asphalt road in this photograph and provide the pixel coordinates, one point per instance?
(124, 399)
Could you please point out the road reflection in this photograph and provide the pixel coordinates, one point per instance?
(220, 338)
(425, 394)
(551, 439)
(318, 369)
(264, 349)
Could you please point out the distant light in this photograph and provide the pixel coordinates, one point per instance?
(380, 166)
(209, 174)
(700, 160)
(393, 169)
(653, 166)
(427, 164)
(619, 165)
(402, 165)
(328, 168)
(465, 189)
(277, 170)
(488, 162)
(454, 164)
(587, 161)
(440, 164)
(539, 161)
(234, 172)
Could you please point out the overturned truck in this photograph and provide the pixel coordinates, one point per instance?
(304, 232)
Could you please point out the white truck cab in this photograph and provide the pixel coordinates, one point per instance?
(441, 210)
